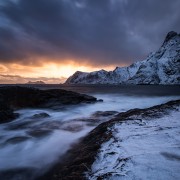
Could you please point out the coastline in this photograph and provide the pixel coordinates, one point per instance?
(82, 155)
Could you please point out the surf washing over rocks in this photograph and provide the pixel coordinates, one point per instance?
(39, 138)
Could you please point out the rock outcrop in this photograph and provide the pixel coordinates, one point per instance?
(80, 158)
(6, 112)
(16, 97)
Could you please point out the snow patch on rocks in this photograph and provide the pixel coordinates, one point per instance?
(141, 149)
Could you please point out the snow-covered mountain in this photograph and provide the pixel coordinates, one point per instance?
(160, 67)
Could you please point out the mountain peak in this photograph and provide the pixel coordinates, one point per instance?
(160, 67)
(170, 35)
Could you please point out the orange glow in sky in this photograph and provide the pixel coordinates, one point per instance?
(48, 69)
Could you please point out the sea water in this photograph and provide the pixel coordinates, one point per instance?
(38, 143)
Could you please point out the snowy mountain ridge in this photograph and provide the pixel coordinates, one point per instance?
(160, 67)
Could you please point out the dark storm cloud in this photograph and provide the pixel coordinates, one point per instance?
(97, 31)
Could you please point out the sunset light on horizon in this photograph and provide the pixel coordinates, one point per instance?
(53, 39)
(89, 89)
(54, 72)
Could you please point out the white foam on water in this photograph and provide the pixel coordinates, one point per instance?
(39, 152)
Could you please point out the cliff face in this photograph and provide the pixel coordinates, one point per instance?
(160, 67)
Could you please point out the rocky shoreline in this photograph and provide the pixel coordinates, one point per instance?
(16, 97)
(80, 158)
(77, 162)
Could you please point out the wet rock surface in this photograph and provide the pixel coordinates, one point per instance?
(80, 158)
(40, 115)
(39, 133)
(72, 127)
(98, 117)
(19, 174)
(22, 97)
(16, 97)
(16, 140)
(104, 113)
(6, 113)
(53, 125)
(19, 126)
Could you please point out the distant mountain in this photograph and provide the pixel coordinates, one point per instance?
(160, 67)
(35, 82)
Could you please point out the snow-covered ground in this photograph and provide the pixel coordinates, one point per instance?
(141, 149)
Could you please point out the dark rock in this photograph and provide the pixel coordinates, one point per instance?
(82, 155)
(18, 126)
(51, 125)
(75, 127)
(100, 100)
(91, 120)
(170, 35)
(6, 113)
(104, 113)
(97, 118)
(72, 126)
(23, 97)
(40, 115)
(18, 174)
(79, 159)
(152, 112)
(16, 140)
(39, 132)
(15, 97)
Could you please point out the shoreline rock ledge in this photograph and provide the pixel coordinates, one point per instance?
(17, 97)
(78, 161)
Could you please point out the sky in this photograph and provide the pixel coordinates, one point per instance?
(51, 39)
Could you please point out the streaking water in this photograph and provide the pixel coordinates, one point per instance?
(37, 143)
